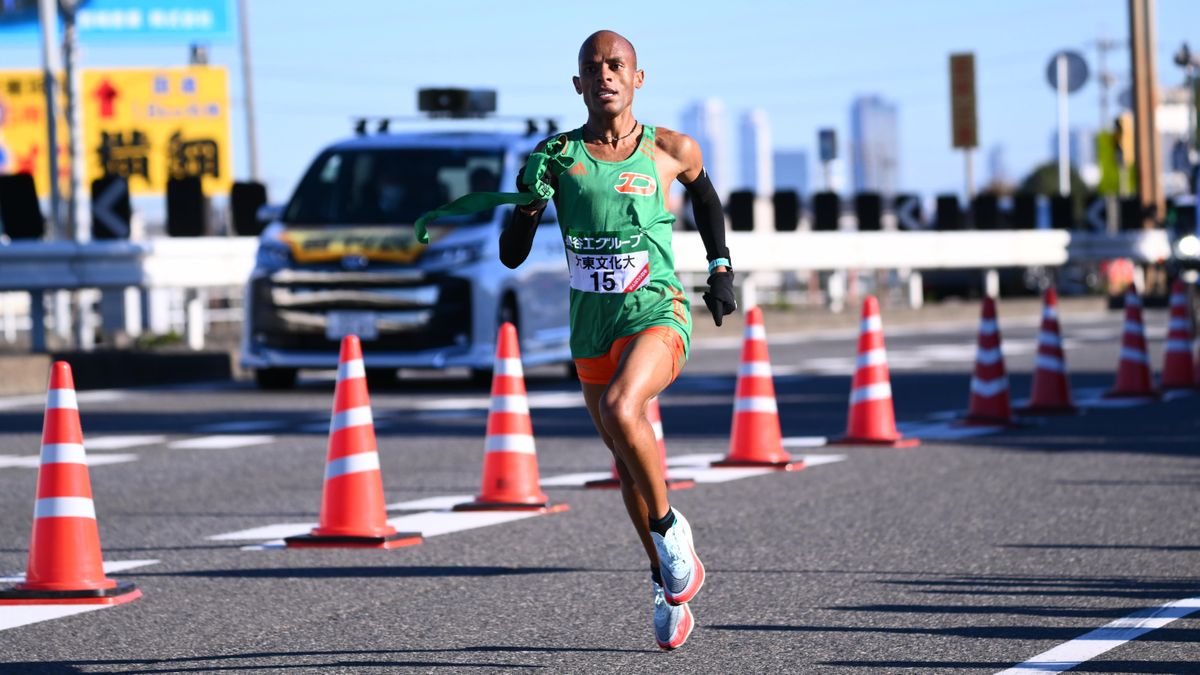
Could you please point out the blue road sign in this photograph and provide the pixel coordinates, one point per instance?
(126, 20)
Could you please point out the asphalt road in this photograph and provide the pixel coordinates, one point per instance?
(967, 554)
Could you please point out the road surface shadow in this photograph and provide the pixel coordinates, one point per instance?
(220, 662)
(388, 572)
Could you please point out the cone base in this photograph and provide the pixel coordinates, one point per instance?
(123, 592)
(877, 442)
(1048, 410)
(545, 507)
(789, 465)
(391, 541)
(614, 483)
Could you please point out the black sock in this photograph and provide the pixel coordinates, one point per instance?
(661, 525)
(656, 575)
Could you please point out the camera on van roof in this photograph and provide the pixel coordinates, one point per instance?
(456, 102)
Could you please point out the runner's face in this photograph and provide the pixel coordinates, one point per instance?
(608, 75)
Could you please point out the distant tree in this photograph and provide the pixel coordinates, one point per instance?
(1044, 181)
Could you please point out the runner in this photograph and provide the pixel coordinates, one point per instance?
(630, 327)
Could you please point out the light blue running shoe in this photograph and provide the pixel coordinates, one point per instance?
(681, 571)
(672, 623)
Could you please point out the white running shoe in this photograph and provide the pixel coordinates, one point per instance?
(681, 571)
(672, 623)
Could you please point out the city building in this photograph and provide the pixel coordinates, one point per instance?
(754, 138)
(705, 121)
(874, 145)
(791, 171)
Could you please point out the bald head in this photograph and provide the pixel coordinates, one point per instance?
(607, 42)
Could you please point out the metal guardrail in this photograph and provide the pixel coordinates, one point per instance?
(225, 262)
(819, 251)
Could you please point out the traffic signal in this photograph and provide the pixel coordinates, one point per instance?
(1123, 135)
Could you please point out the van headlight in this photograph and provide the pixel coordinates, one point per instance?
(1188, 247)
(272, 255)
(452, 256)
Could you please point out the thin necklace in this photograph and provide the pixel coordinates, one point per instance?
(608, 139)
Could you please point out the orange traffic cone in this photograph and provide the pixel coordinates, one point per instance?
(1178, 369)
(1133, 370)
(510, 470)
(65, 562)
(1051, 389)
(989, 403)
(353, 514)
(756, 439)
(872, 419)
(654, 416)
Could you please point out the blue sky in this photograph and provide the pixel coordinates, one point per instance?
(317, 64)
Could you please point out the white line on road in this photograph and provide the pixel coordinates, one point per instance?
(34, 461)
(432, 503)
(1110, 636)
(99, 396)
(121, 442)
(220, 442)
(12, 616)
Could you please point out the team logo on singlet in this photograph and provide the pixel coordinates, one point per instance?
(636, 184)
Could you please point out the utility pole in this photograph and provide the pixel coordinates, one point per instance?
(48, 16)
(77, 216)
(248, 89)
(1145, 99)
(1104, 76)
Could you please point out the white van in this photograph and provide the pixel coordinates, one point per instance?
(341, 258)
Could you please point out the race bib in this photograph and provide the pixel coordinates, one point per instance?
(608, 263)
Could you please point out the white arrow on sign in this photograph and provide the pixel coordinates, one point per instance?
(905, 214)
(102, 209)
(1096, 216)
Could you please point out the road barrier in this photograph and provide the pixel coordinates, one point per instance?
(198, 264)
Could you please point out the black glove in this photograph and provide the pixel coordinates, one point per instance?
(719, 297)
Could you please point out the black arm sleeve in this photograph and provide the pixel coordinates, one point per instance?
(710, 219)
(516, 240)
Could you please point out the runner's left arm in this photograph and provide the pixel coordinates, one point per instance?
(710, 222)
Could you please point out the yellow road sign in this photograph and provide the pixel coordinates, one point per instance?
(147, 124)
(23, 144)
(151, 124)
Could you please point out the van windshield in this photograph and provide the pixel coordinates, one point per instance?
(391, 186)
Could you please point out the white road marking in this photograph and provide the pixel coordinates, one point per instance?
(219, 442)
(943, 430)
(428, 523)
(431, 503)
(277, 531)
(434, 523)
(805, 441)
(98, 396)
(576, 479)
(34, 461)
(1107, 637)
(121, 442)
(240, 427)
(12, 616)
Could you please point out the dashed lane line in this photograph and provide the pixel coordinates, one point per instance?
(122, 442)
(220, 442)
(13, 616)
(35, 461)
(1110, 636)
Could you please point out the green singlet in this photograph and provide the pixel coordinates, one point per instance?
(617, 232)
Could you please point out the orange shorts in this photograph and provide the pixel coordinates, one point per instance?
(600, 369)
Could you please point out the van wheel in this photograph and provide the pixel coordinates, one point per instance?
(275, 379)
